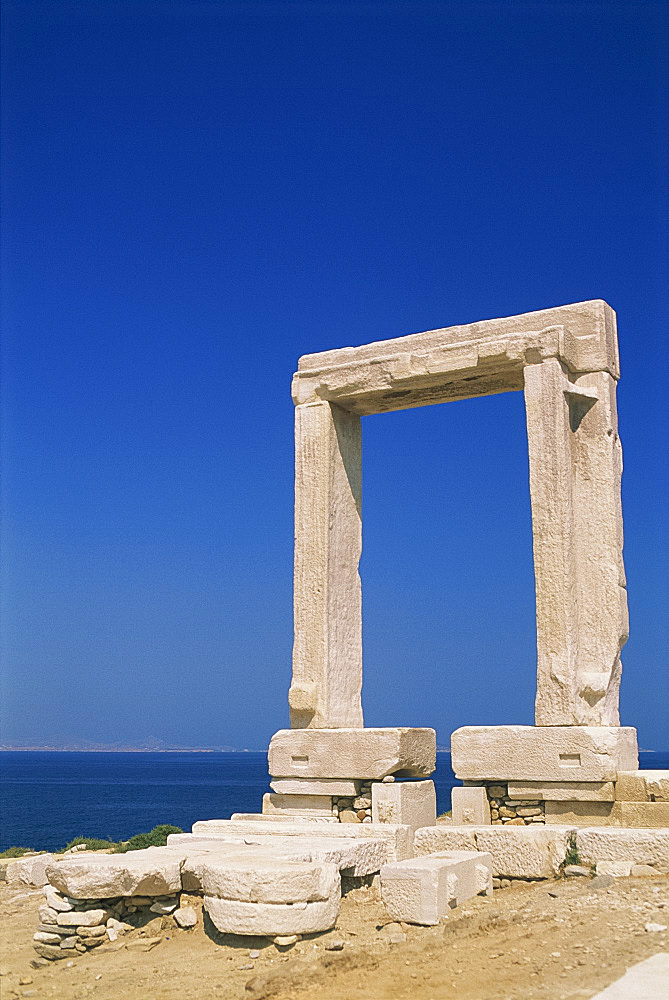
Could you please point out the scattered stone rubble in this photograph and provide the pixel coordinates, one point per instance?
(350, 802)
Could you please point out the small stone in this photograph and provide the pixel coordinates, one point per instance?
(388, 778)
(286, 940)
(52, 952)
(254, 954)
(185, 916)
(361, 814)
(5, 970)
(516, 821)
(335, 945)
(653, 928)
(25, 980)
(496, 883)
(367, 819)
(245, 968)
(528, 811)
(640, 871)
(85, 918)
(112, 933)
(573, 871)
(169, 906)
(92, 932)
(348, 816)
(28, 993)
(45, 938)
(362, 802)
(68, 965)
(497, 791)
(47, 915)
(68, 942)
(601, 882)
(56, 900)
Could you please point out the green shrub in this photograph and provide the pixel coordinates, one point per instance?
(572, 856)
(16, 852)
(92, 844)
(155, 838)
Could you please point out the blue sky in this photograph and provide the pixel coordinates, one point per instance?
(197, 193)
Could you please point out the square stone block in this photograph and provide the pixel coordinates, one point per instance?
(579, 813)
(641, 847)
(563, 791)
(470, 806)
(413, 803)
(422, 890)
(543, 753)
(274, 803)
(643, 786)
(654, 815)
(352, 753)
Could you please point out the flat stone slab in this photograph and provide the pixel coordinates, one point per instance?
(340, 787)
(645, 981)
(423, 890)
(153, 872)
(543, 753)
(397, 838)
(354, 856)
(641, 847)
(266, 880)
(564, 791)
(281, 804)
(352, 753)
(232, 916)
(531, 852)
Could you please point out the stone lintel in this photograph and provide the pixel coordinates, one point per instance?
(352, 753)
(543, 753)
(461, 361)
(276, 803)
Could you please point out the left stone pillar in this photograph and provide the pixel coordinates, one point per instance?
(326, 687)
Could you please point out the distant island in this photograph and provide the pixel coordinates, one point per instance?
(150, 745)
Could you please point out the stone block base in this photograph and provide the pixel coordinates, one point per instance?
(410, 803)
(643, 786)
(352, 753)
(318, 806)
(232, 916)
(543, 753)
(579, 813)
(470, 806)
(422, 890)
(654, 815)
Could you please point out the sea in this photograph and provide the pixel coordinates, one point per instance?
(48, 798)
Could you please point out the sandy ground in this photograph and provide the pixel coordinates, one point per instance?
(553, 940)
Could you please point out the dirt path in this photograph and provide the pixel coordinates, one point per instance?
(553, 940)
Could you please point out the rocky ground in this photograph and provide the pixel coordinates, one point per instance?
(554, 940)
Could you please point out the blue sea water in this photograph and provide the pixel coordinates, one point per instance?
(48, 798)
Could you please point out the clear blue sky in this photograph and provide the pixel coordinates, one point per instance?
(196, 193)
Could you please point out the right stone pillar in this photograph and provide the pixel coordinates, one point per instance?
(575, 462)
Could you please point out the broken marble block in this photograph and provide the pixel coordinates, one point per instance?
(423, 890)
(470, 806)
(352, 753)
(334, 787)
(411, 803)
(543, 753)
